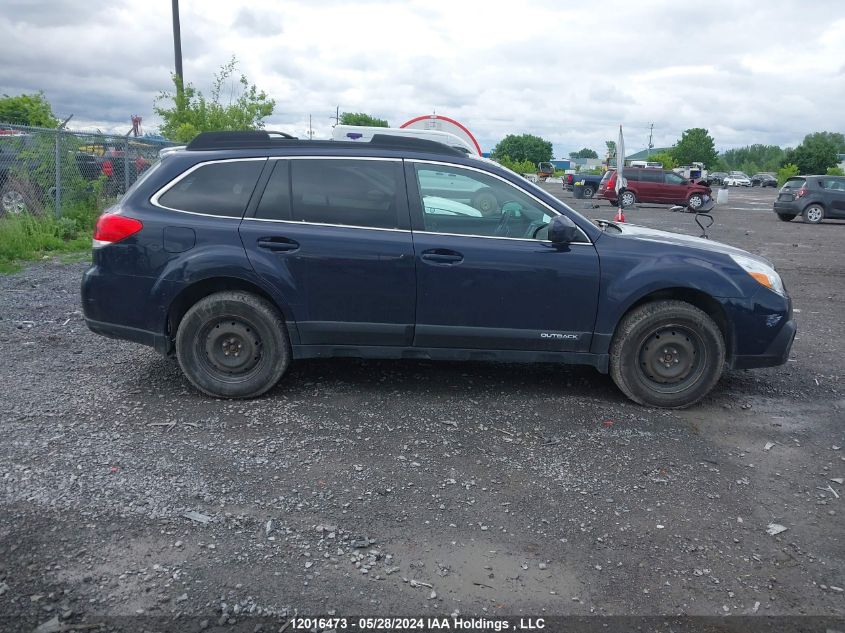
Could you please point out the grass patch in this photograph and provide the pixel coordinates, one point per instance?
(26, 237)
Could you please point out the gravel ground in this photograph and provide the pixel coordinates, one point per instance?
(390, 488)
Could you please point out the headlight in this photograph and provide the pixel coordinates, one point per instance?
(763, 274)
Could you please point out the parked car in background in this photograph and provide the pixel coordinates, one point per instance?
(813, 197)
(112, 161)
(764, 180)
(716, 177)
(591, 183)
(19, 159)
(737, 180)
(243, 253)
(654, 185)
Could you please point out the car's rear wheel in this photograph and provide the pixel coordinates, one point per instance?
(485, 202)
(233, 345)
(588, 191)
(785, 217)
(667, 354)
(814, 213)
(695, 201)
(628, 198)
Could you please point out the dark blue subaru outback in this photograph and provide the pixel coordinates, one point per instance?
(245, 251)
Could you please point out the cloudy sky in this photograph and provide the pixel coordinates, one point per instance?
(750, 72)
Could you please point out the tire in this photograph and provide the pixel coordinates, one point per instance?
(588, 191)
(627, 199)
(217, 329)
(485, 202)
(814, 213)
(693, 348)
(695, 201)
(785, 217)
(17, 197)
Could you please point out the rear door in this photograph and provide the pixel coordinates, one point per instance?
(332, 237)
(649, 188)
(834, 193)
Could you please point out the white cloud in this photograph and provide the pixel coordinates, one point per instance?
(770, 73)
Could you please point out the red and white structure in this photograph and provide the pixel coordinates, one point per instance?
(441, 123)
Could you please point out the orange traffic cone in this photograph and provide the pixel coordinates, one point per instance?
(620, 217)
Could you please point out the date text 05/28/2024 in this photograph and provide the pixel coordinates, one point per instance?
(412, 624)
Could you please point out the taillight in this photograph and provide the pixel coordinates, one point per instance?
(801, 192)
(611, 182)
(113, 228)
(107, 168)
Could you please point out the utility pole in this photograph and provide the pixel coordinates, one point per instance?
(177, 52)
(336, 116)
(650, 144)
(310, 129)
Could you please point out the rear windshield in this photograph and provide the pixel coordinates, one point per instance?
(607, 176)
(794, 183)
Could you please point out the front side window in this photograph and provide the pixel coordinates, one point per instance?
(675, 179)
(466, 202)
(215, 188)
(349, 192)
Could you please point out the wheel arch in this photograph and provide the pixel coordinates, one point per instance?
(698, 298)
(191, 294)
(814, 203)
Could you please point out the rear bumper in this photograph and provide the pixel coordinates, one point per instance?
(160, 342)
(787, 207)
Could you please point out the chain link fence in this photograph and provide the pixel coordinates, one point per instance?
(46, 171)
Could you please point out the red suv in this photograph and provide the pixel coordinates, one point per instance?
(654, 185)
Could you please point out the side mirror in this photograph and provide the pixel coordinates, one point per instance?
(562, 230)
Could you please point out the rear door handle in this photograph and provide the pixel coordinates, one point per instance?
(442, 256)
(278, 244)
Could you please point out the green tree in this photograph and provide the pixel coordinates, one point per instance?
(611, 150)
(786, 172)
(359, 118)
(695, 145)
(666, 158)
(523, 147)
(520, 167)
(816, 153)
(190, 112)
(835, 171)
(584, 153)
(753, 158)
(32, 109)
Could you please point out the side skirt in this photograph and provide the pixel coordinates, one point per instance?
(599, 361)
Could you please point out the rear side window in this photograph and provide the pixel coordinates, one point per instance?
(631, 175)
(833, 184)
(215, 188)
(651, 175)
(348, 192)
(275, 202)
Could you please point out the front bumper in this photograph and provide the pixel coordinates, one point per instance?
(776, 354)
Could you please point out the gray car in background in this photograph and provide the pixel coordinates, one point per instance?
(813, 197)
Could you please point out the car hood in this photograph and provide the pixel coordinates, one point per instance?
(666, 237)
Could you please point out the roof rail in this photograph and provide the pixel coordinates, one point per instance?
(246, 139)
(262, 139)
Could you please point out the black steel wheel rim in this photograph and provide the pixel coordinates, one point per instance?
(671, 358)
(230, 348)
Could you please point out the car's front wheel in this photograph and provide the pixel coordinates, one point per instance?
(814, 213)
(485, 202)
(695, 202)
(667, 354)
(233, 345)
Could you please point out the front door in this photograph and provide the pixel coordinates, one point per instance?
(332, 238)
(487, 279)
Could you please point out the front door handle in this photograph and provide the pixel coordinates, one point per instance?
(278, 244)
(442, 256)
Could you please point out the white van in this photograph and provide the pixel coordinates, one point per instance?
(365, 134)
